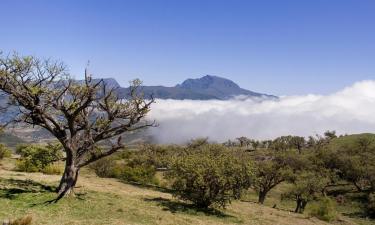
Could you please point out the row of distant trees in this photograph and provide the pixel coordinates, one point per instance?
(280, 143)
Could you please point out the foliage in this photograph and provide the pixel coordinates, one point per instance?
(53, 169)
(37, 157)
(306, 187)
(211, 174)
(324, 209)
(273, 168)
(127, 167)
(139, 174)
(351, 158)
(4, 152)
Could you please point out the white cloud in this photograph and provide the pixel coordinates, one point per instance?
(351, 110)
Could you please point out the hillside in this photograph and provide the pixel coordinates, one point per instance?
(108, 201)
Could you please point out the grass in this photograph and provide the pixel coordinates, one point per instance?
(108, 201)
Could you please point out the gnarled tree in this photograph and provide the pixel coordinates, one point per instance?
(86, 117)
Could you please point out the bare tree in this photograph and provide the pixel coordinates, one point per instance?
(87, 118)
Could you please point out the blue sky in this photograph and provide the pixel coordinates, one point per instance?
(277, 47)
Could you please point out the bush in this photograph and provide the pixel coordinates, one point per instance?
(209, 175)
(106, 167)
(324, 209)
(128, 170)
(139, 174)
(4, 152)
(34, 158)
(53, 169)
(25, 165)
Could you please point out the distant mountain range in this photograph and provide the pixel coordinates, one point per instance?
(205, 88)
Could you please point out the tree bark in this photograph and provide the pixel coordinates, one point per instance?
(68, 180)
(262, 197)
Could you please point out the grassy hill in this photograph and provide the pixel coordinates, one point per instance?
(108, 201)
(351, 141)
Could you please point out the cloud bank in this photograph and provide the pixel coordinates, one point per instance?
(351, 110)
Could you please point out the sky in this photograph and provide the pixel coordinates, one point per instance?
(271, 46)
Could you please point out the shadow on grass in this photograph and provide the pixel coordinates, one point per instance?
(358, 214)
(11, 188)
(149, 187)
(175, 206)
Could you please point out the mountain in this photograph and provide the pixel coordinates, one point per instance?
(204, 88)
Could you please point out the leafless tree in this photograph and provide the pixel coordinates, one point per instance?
(86, 117)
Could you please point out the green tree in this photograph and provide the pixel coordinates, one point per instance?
(270, 171)
(298, 143)
(306, 187)
(210, 175)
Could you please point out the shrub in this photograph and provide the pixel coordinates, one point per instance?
(36, 157)
(105, 167)
(139, 174)
(4, 151)
(25, 165)
(324, 210)
(128, 170)
(209, 175)
(53, 169)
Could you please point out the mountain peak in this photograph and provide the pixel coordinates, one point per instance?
(208, 81)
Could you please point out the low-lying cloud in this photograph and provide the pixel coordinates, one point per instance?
(351, 110)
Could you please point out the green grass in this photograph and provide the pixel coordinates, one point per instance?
(108, 201)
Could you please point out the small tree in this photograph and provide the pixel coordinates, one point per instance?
(306, 187)
(268, 174)
(273, 169)
(298, 143)
(244, 141)
(255, 144)
(80, 115)
(209, 175)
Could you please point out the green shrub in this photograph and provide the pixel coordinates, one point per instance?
(4, 152)
(53, 169)
(106, 167)
(129, 170)
(209, 175)
(139, 174)
(34, 158)
(25, 165)
(324, 209)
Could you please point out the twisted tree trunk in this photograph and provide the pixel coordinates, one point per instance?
(69, 178)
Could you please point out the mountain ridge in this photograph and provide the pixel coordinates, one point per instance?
(208, 87)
